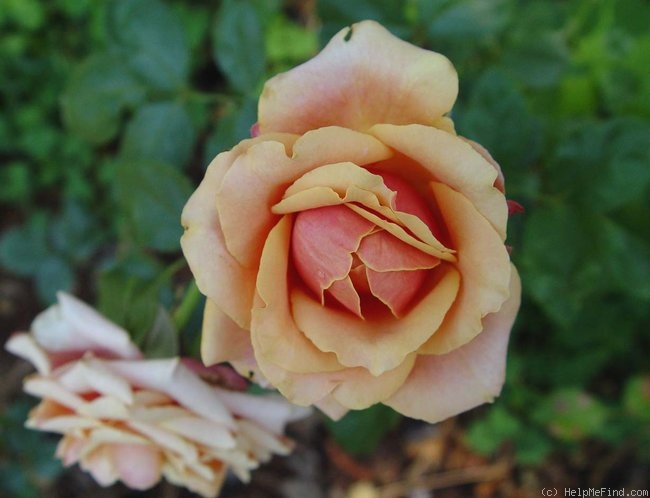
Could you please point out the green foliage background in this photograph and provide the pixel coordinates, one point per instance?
(112, 109)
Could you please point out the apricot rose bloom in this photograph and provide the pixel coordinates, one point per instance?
(353, 252)
(135, 420)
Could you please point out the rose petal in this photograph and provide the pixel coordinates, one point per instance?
(364, 76)
(24, 346)
(273, 332)
(379, 344)
(222, 339)
(137, 465)
(322, 243)
(380, 251)
(464, 378)
(396, 289)
(365, 193)
(484, 265)
(451, 161)
(353, 388)
(344, 292)
(178, 382)
(260, 175)
(205, 249)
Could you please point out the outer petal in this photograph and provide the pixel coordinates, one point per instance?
(454, 162)
(484, 264)
(353, 388)
(24, 346)
(445, 385)
(364, 76)
(222, 339)
(381, 344)
(205, 249)
(274, 334)
(138, 465)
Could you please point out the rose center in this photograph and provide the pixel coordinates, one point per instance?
(346, 259)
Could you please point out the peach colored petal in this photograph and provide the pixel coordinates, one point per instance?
(344, 292)
(270, 411)
(351, 388)
(100, 465)
(362, 389)
(423, 240)
(347, 183)
(380, 344)
(322, 243)
(364, 76)
(89, 325)
(408, 200)
(452, 161)
(339, 177)
(222, 339)
(380, 251)
(137, 465)
(260, 174)
(178, 382)
(441, 386)
(200, 430)
(396, 289)
(499, 183)
(45, 387)
(484, 265)
(69, 450)
(332, 408)
(273, 332)
(25, 346)
(90, 374)
(205, 249)
(315, 147)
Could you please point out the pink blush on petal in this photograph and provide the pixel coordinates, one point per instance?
(138, 465)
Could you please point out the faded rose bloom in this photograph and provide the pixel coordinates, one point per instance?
(353, 252)
(135, 420)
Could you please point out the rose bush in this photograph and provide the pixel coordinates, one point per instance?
(352, 252)
(135, 420)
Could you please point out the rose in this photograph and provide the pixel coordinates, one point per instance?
(134, 420)
(353, 252)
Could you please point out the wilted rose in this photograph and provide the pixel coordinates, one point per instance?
(134, 420)
(353, 251)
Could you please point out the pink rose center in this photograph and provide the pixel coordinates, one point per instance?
(346, 259)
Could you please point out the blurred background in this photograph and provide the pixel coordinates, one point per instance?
(110, 111)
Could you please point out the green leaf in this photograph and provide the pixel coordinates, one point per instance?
(626, 259)
(161, 341)
(23, 248)
(602, 166)
(496, 117)
(359, 432)
(128, 301)
(468, 19)
(636, 397)
(231, 128)
(289, 42)
(53, 274)
(152, 40)
(75, 233)
(99, 90)
(555, 260)
(337, 14)
(151, 196)
(488, 434)
(238, 44)
(540, 60)
(162, 131)
(571, 414)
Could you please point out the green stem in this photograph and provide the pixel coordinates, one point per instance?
(183, 312)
